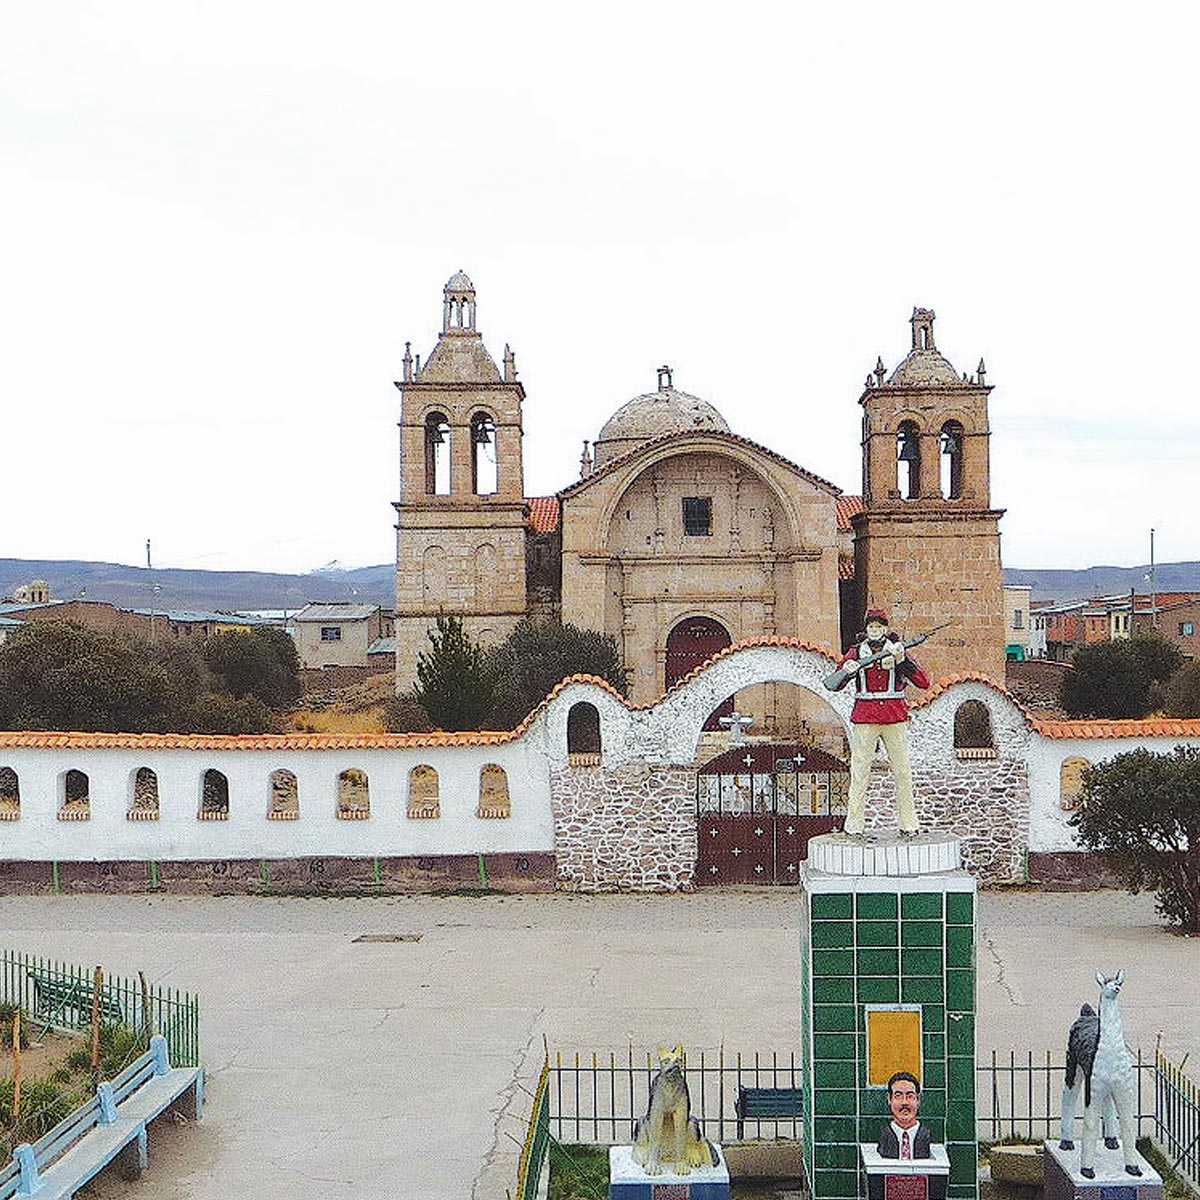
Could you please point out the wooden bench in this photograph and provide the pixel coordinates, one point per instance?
(112, 1123)
(53, 995)
(768, 1104)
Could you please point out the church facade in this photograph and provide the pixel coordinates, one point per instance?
(681, 537)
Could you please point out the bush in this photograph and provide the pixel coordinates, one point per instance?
(1118, 679)
(7, 1011)
(218, 713)
(404, 714)
(1181, 695)
(539, 654)
(1143, 811)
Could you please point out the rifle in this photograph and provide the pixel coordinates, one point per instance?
(839, 677)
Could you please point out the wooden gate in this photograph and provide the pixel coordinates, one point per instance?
(757, 804)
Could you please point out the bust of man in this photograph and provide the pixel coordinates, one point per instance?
(904, 1136)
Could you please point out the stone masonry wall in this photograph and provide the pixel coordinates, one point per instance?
(986, 804)
(627, 829)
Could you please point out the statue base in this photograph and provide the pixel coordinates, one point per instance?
(884, 853)
(629, 1181)
(905, 1178)
(1064, 1182)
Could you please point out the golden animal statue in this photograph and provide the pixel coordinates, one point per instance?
(668, 1137)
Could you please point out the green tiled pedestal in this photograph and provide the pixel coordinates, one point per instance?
(871, 940)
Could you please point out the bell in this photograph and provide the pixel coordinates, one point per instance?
(480, 435)
(436, 437)
(910, 450)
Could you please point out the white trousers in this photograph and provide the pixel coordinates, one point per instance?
(862, 751)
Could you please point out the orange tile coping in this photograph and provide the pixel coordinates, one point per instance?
(213, 815)
(74, 814)
(10, 814)
(142, 814)
(353, 814)
(80, 740)
(285, 814)
(423, 812)
(1093, 728)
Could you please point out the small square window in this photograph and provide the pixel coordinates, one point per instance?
(697, 516)
(1018, 619)
(1187, 628)
(331, 633)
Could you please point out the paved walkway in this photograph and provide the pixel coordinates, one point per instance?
(395, 1069)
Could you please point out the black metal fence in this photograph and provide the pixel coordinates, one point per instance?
(596, 1098)
(62, 994)
(1020, 1095)
(1177, 1117)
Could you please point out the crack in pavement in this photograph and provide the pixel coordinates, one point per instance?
(506, 1098)
(1001, 978)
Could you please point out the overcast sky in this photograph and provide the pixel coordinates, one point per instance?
(222, 221)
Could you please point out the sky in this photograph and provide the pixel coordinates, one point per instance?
(222, 221)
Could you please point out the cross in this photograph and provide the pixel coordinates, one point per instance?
(735, 723)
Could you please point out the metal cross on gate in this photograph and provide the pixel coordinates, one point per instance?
(735, 723)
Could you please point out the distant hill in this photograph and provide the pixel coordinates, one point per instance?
(129, 587)
(1106, 581)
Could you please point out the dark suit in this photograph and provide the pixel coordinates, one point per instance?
(889, 1144)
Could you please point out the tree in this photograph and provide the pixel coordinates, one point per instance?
(453, 683)
(1118, 678)
(57, 676)
(539, 654)
(1143, 810)
(1181, 696)
(260, 662)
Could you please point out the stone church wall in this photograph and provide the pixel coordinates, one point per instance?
(624, 829)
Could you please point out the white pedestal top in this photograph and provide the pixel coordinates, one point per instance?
(884, 854)
(622, 1169)
(938, 1162)
(1110, 1166)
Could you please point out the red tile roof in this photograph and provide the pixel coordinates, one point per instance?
(543, 513)
(44, 740)
(847, 506)
(846, 566)
(1148, 727)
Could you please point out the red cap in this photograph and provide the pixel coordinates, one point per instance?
(875, 614)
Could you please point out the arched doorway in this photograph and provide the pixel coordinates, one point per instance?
(691, 644)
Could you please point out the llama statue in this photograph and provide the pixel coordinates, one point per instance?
(1096, 1051)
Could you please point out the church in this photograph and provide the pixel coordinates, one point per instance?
(681, 537)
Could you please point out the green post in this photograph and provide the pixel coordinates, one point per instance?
(483, 875)
(377, 872)
(54, 876)
(887, 945)
(154, 879)
(264, 871)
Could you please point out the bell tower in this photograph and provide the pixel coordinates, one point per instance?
(461, 516)
(927, 543)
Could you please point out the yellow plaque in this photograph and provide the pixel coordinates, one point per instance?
(893, 1043)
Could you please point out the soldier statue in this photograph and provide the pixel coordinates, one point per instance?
(881, 669)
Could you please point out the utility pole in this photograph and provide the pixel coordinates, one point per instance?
(153, 597)
(1153, 587)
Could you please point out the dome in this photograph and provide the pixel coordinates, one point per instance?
(652, 416)
(925, 368)
(459, 282)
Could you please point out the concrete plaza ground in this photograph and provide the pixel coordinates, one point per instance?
(395, 1069)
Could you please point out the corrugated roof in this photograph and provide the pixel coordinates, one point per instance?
(382, 646)
(543, 513)
(187, 616)
(847, 506)
(336, 612)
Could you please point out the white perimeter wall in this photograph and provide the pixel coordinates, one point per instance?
(179, 834)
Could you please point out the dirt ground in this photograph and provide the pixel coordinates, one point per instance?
(386, 1068)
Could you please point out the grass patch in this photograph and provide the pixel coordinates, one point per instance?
(1174, 1186)
(578, 1172)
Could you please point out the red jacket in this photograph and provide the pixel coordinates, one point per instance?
(891, 707)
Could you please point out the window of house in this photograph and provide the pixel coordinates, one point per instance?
(1018, 619)
(1187, 628)
(697, 516)
(331, 633)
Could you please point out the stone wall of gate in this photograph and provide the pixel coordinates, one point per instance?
(624, 829)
